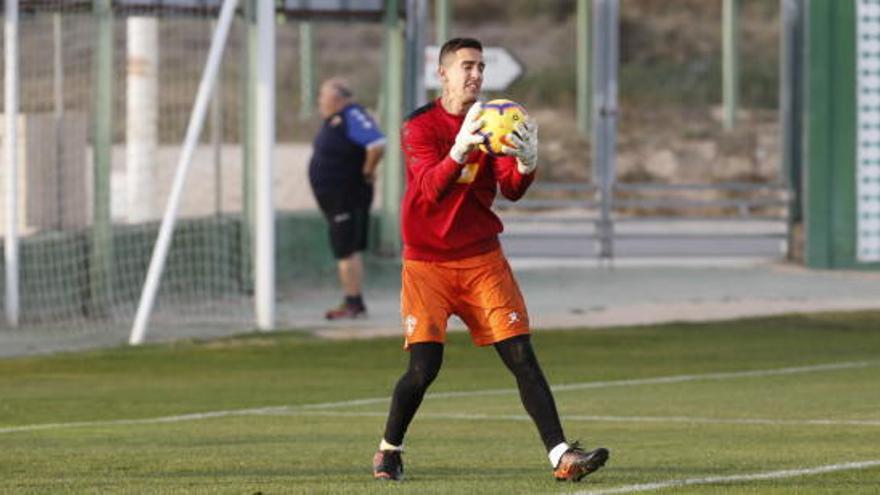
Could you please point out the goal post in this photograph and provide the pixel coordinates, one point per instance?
(134, 224)
(194, 129)
(265, 144)
(10, 151)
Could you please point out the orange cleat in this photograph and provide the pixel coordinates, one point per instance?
(388, 465)
(575, 463)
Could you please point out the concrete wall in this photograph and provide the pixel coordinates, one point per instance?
(292, 190)
(54, 184)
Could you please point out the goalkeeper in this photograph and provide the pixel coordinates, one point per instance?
(453, 263)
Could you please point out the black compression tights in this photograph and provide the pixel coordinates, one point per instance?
(519, 357)
(424, 364)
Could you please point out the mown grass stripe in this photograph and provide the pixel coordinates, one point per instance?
(606, 419)
(442, 395)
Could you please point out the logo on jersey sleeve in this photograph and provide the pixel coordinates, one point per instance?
(365, 121)
(468, 173)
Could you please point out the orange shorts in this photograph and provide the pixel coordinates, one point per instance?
(480, 290)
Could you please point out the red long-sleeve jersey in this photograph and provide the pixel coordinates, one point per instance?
(447, 207)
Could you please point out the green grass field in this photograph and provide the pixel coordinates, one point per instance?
(672, 402)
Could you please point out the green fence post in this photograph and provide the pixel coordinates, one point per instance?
(730, 61)
(306, 70)
(829, 182)
(392, 98)
(843, 163)
(584, 91)
(101, 256)
(248, 80)
(442, 18)
(442, 14)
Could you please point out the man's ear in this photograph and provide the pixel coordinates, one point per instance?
(441, 71)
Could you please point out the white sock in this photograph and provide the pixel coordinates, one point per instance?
(556, 453)
(383, 445)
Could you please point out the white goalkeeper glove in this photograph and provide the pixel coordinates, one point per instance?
(467, 137)
(526, 151)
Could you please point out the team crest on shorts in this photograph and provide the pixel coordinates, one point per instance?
(410, 322)
(512, 317)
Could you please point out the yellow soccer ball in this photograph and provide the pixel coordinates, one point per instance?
(500, 118)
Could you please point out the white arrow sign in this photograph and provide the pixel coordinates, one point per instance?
(501, 68)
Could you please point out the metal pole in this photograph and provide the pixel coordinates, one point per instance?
(58, 65)
(217, 141)
(791, 98)
(605, 53)
(442, 15)
(583, 66)
(10, 244)
(264, 300)
(392, 170)
(248, 79)
(416, 21)
(58, 96)
(791, 115)
(102, 153)
(193, 130)
(442, 20)
(219, 238)
(306, 70)
(730, 60)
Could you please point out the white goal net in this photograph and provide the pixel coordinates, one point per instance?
(107, 90)
(105, 98)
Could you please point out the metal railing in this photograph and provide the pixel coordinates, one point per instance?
(580, 203)
(584, 195)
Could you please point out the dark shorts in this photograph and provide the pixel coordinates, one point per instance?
(347, 211)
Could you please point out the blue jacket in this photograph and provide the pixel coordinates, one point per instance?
(340, 147)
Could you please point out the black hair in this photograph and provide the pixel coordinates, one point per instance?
(456, 44)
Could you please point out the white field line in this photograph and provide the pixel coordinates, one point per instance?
(768, 475)
(666, 379)
(605, 419)
(442, 395)
(147, 421)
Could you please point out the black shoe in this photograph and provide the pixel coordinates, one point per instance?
(575, 463)
(388, 465)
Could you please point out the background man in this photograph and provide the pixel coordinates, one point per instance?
(453, 263)
(342, 170)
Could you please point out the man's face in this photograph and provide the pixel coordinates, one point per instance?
(328, 100)
(461, 74)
